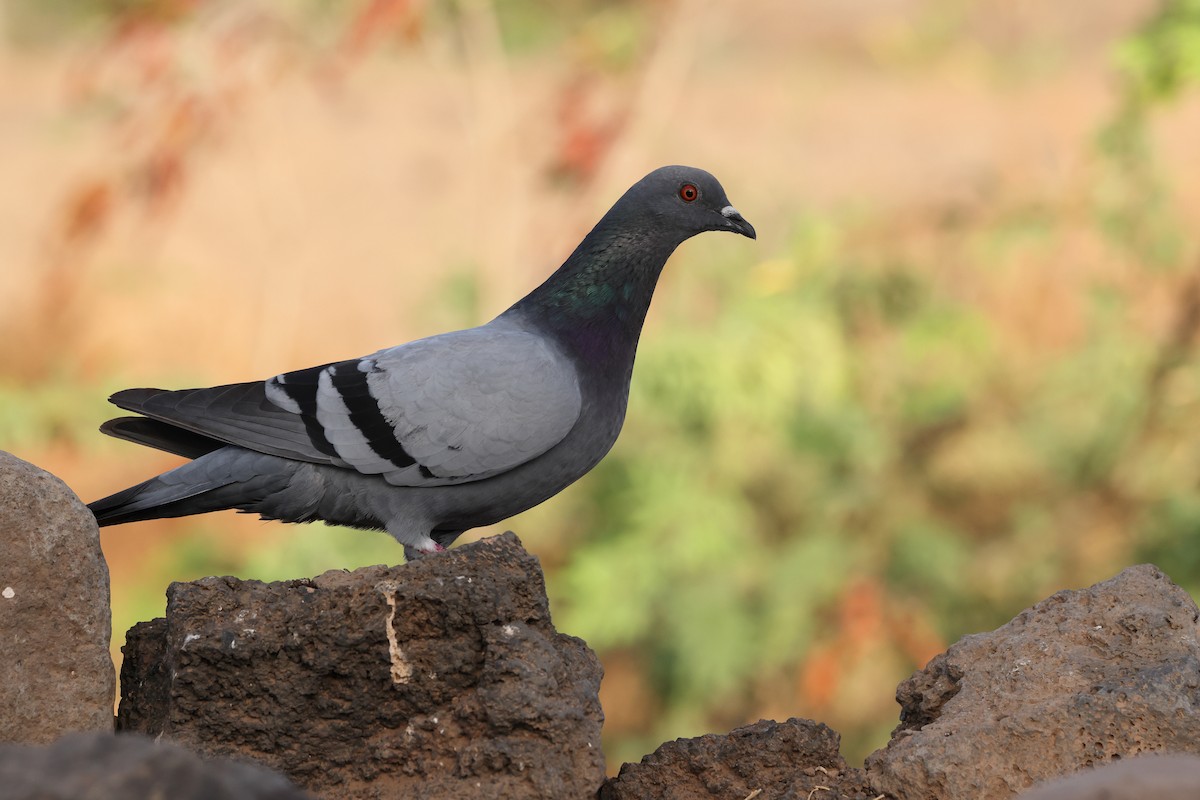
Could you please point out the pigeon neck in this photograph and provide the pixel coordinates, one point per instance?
(596, 302)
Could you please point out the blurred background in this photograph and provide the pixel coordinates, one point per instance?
(955, 373)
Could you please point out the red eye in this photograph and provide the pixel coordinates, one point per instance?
(688, 193)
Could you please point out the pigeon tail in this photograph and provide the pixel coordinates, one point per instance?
(161, 436)
(220, 480)
(153, 499)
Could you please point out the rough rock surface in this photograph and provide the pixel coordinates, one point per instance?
(1080, 679)
(101, 766)
(440, 678)
(1162, 777)
(55, 621)
(792, 760)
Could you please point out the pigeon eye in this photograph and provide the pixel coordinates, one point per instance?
(688, 192)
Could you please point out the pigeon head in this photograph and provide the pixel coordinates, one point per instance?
(685, 200)
(597, 300)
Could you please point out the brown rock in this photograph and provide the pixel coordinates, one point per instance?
(1162, 777)
(440, 678)
(56, 674)
(1080, 679)
(101, 766)
(791, 760)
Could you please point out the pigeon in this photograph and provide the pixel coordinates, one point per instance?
(431, 438)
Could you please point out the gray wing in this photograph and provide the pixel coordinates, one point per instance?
(462, 406)
(238, 413)
(449, 409)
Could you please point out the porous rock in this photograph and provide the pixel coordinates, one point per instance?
(1162, 777)
(792, 760)
(1080, 679)
(55, 620)
(441, 678)
(101, 766)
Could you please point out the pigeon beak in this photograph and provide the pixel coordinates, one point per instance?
(737, 223)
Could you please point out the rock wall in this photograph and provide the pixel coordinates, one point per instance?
(446, 679)
(92, 766)
(794, 759)
(442, 678)
(1080, 679)
(1161, 777)
(56, 675)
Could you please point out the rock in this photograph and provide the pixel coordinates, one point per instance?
(101, 766)
(440, 678)
(792, 760)
(1080, 679)
(55, 621)
(1163, 777)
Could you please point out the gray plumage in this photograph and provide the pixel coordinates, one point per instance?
(434, 437)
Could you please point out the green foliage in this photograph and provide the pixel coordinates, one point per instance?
(610, 34)
(843, 417)
(49, 410)
(1163, 59)
(1157, 64)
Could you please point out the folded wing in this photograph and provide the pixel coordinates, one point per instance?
(450, 409)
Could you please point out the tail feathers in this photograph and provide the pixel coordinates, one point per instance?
(227, 478)
(154, 499)
(160, 435)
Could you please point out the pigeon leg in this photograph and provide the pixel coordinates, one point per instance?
(413, 553)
